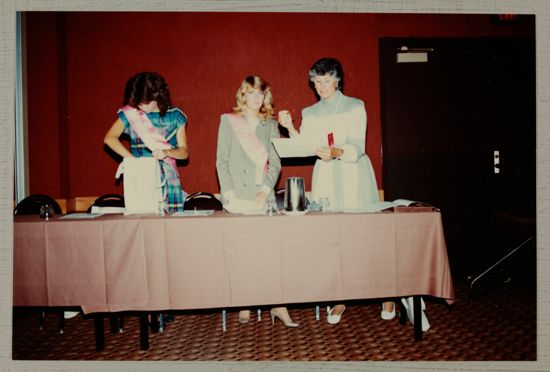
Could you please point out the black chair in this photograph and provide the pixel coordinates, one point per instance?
(108, 200)
(157, 321)
(205, 201)
(202, 201)
(116, 320)
(111, 200)
(29, 206)
(32, 203)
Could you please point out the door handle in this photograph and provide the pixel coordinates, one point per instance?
(496, 162)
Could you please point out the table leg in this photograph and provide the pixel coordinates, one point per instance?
(402, 313)
(61, 321)
(99, 332)
(155, 322)
(417, 318)
(143, 331)
(161, 323)
(42, 317)
(113, 321)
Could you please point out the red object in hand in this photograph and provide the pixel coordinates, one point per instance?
(330, 139)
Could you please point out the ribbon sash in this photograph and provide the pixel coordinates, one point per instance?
(154, 139)
(150, 135)
(252, 146)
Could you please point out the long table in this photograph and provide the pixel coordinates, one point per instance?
(117, 263)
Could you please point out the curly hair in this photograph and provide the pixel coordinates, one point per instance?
(330, 66)
(145, 87)
(254, 82)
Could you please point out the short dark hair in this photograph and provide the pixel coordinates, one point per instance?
(145, 87)
(330, 66)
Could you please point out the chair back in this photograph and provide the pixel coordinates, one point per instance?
(202, 201)
(32, 203)
(108, 200)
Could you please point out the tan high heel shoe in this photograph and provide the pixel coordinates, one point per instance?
(282, 314)
(335, 318)
(386, 314)
(244, 316)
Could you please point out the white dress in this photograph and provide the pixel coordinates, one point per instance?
(349, 181)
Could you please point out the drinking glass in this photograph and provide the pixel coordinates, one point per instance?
(160, 208)
(325, 204)
(270, 208)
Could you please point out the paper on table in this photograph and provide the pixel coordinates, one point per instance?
(96, 209)
(298, 147)
(193, 212)
(380, 206)
(80, 215)
(419, 206)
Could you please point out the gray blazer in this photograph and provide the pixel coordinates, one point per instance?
(236, 171)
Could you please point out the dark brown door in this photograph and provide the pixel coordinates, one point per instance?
(458, 129)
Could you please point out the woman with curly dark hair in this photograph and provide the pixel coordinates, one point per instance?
(155, 128)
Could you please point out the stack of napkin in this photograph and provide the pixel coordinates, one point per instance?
(242, 206)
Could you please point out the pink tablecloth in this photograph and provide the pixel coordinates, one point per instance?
(115, 262)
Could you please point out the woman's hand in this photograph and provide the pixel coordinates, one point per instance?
(328, 153)
(179, 152)
(260, 198)
(285, 119)
(159, 154)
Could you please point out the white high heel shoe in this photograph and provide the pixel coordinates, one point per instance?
(283, 316)
(70, 314)
(387, 315)
(334, 319)
(244, 316)
(409, 307)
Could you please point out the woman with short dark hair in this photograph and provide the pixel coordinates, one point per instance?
(343, 176)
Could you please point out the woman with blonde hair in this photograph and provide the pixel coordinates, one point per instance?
(246, 161)
(244, 144)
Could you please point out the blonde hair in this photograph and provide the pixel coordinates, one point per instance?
(254, 82)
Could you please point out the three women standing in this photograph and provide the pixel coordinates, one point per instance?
(247, 164)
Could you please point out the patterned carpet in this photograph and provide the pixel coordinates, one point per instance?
(499, 325)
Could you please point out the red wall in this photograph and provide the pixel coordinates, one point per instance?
(78, 63)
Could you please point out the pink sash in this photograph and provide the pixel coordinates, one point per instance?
(150, 135)
(255, 150)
